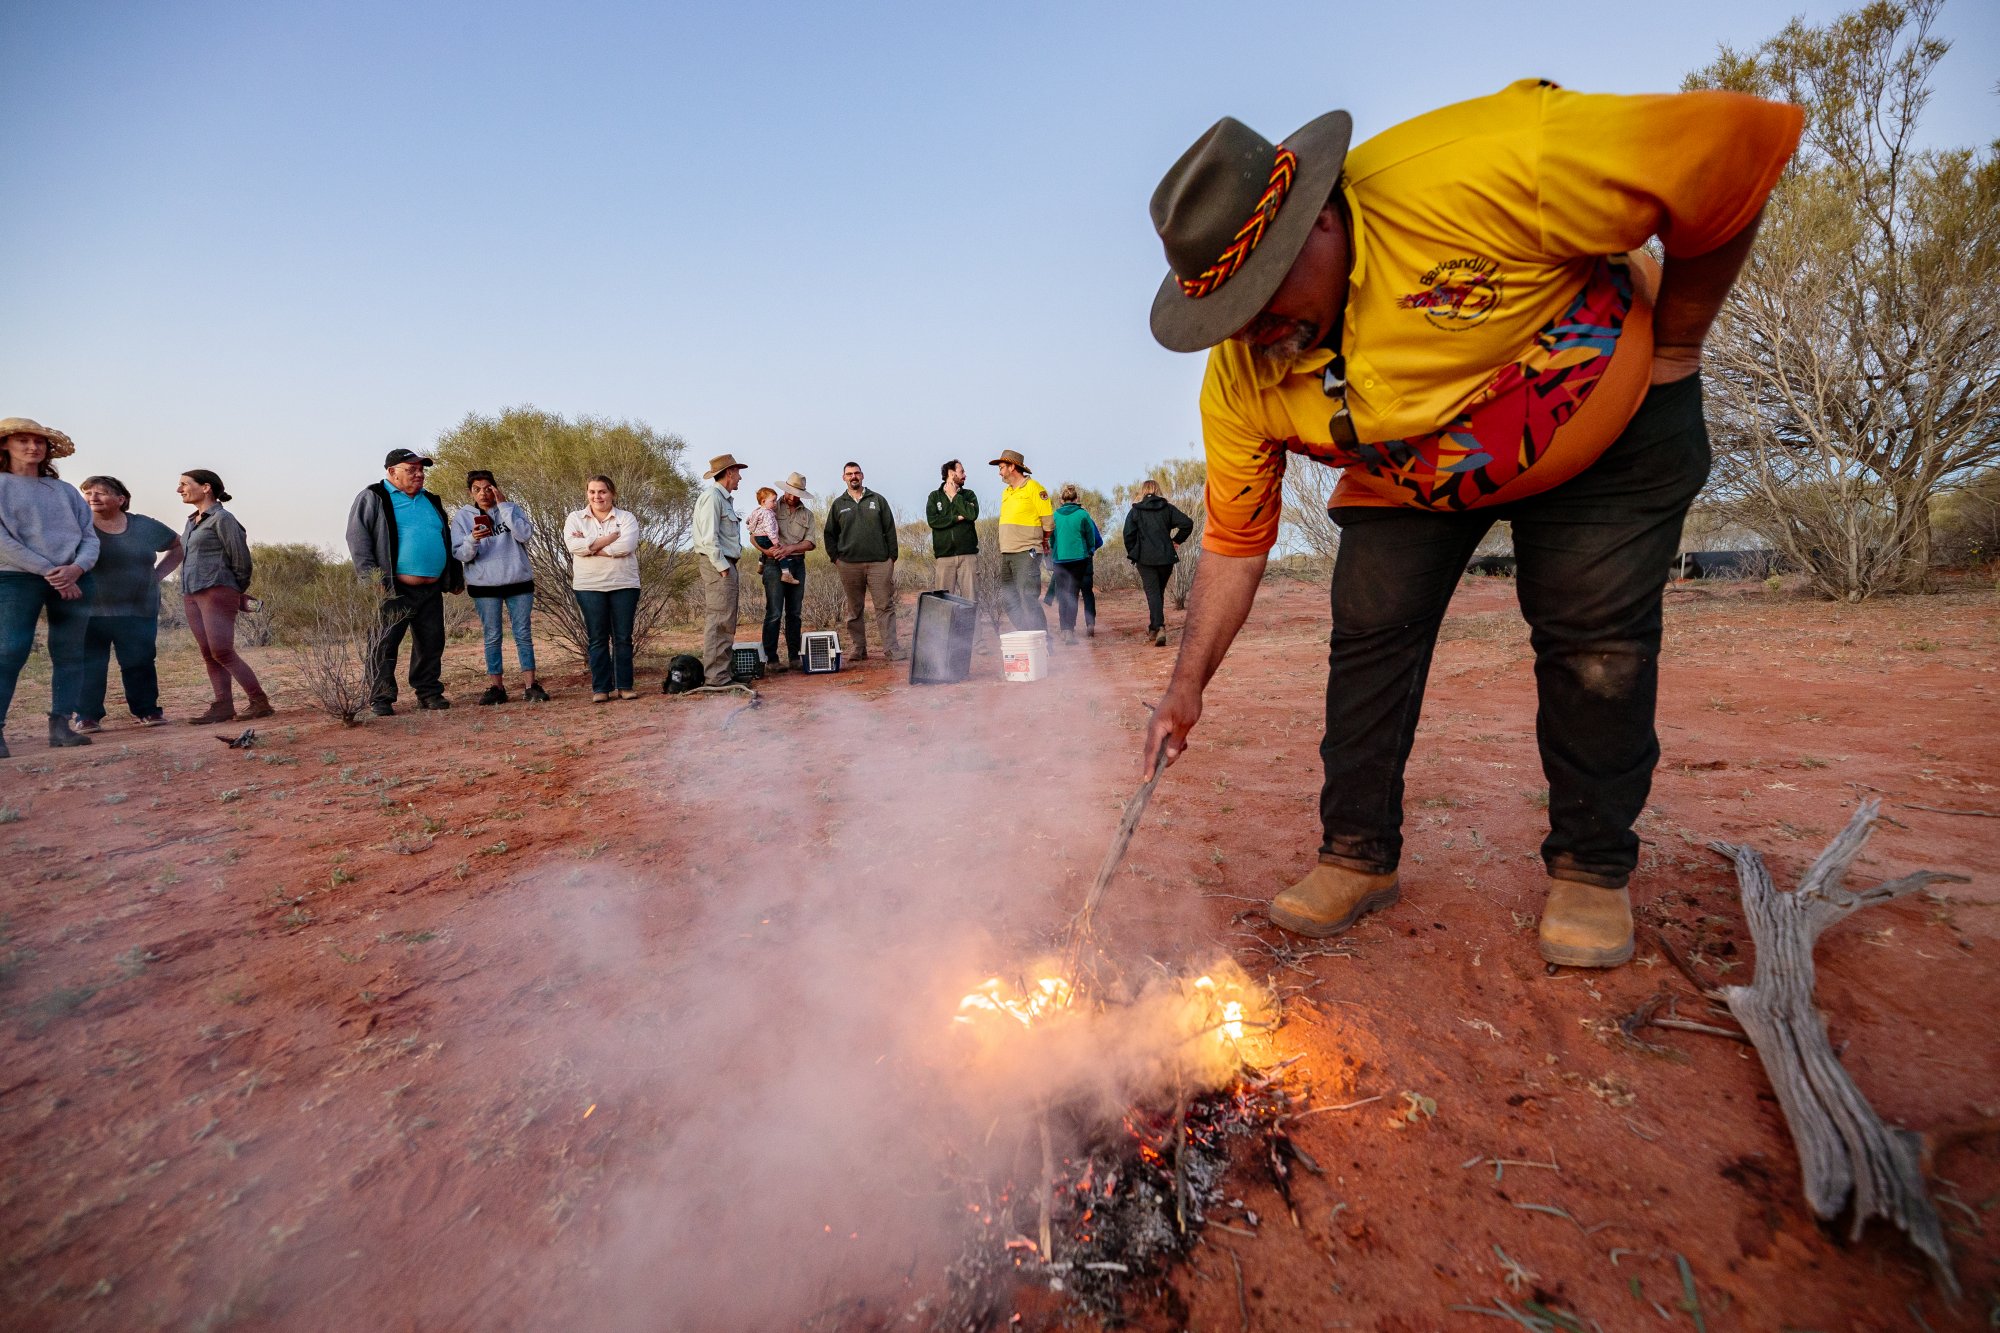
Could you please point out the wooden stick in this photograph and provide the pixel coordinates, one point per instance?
(1846, 1154)
(1135, 809)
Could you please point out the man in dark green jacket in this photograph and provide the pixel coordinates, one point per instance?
(953, 513)
(860, 537)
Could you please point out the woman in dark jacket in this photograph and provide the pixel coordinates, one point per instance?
(215, 583)
(1154, 531)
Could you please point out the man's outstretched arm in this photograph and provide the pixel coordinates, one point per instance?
(1224, 588)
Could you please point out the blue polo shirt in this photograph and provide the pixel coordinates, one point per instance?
(420, 549)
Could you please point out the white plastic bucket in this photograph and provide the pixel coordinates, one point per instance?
(1024, 654)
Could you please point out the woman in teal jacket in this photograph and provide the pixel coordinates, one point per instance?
(1074, 544)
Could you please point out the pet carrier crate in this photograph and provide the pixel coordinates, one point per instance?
(822, 652)
(746, 661)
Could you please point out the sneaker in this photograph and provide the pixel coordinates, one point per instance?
(495, 694)
(435, 704)
(220, 711)
(382, 708)
(62, 736)
(85, 725)
(259, 707)
(153, 720)
(535, 694)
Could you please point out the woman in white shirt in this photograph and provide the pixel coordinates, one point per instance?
(603, 542)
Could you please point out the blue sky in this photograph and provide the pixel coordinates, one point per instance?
(278, 239)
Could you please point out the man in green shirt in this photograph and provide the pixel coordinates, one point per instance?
(953, 513)
(861, 541)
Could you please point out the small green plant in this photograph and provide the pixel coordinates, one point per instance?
(9, 815)
(1415, 1105)
(231, 796)
(340, 876)
(461, 870)
(1922, 646)
(116, 798)
(329, 757)
(296, 918)
(497, 849)
(1539, 798)
(1774, 583)
(133, 961)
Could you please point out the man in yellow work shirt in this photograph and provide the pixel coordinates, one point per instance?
(1453, 315)
(1026, 520)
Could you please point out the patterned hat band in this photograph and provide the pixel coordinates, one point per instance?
(1283, 169)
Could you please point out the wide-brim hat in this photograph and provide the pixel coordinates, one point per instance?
(60, 445)
(1233, 214)
(720, 464)
(1013, 456)
(795, 486)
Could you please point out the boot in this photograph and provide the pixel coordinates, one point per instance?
(495, 694)
(260, 706)
(62, 736)
(1586, 926)
(222, 710)
(1159, 638)
(1331, 898)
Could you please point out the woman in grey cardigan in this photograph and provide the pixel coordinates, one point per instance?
(215, 582)
(47, 550)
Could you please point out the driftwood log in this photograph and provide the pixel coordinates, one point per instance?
(1853, 1163)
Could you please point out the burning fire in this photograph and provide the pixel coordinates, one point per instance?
(1045, 996)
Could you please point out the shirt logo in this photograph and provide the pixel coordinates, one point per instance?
(1456, 294)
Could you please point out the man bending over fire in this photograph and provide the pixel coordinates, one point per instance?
(1453, 315)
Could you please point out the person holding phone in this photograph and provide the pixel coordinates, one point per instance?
(490, 537)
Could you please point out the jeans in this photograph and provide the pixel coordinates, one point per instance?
(784, 605)
(520, 610)
(416, 609)
(1074, 579)
(1021, 590)
(607, 622)
(1154, 579)
(135, 640)
(1593, 555)
(211, 617)
(23, 598)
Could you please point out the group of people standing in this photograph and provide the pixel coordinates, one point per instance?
(80, 560)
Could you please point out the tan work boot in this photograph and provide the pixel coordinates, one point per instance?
(1330, 899)
(1586, 926)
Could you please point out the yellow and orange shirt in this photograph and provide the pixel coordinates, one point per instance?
(1498, 333)
(1024, 514)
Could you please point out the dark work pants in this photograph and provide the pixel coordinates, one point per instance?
(135, 639)
(1075, 579)
(1592, 558)
(786, 601)
(607, 623)
(1154, 579)
(419, 611)
(1021, 590)
(24, 600)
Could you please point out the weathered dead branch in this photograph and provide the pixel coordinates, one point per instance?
(1851, 1161)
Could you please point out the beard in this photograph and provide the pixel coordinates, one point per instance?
(1281, 355)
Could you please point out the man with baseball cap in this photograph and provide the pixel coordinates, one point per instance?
(399, 537)
(1027, 518)
(1456, 316)
(718, 545)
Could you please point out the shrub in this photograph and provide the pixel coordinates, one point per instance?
(331, 634)
(542, 462)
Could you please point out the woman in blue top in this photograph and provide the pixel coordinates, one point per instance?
(134, 554)
(1074, 545)
(47, 550)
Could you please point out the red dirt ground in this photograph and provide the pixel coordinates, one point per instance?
(544, 1018)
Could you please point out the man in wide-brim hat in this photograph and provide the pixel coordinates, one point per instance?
(1027, 519)
(1452, 314)
(785, 603)
(718, 545)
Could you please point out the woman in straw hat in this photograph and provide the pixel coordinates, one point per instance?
(47, 550)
